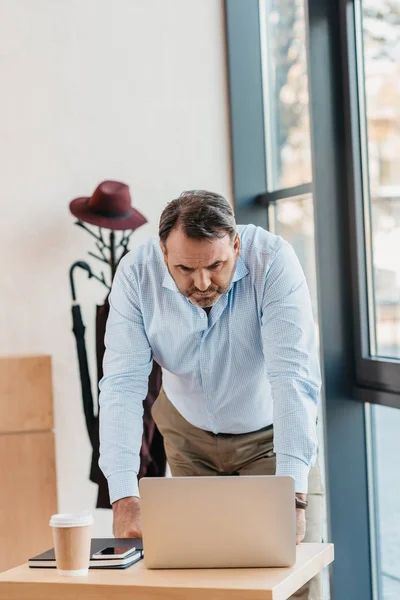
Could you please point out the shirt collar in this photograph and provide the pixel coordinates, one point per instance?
(240, 271)
(168, 281)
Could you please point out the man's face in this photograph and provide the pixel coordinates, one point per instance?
(201, 268)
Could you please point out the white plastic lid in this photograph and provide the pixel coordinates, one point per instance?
(72, 519)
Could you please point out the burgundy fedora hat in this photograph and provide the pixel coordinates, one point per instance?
(109, 206)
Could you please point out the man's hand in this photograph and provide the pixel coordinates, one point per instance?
(126, 512)
(300, 521)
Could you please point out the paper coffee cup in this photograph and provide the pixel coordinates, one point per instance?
(72, 535)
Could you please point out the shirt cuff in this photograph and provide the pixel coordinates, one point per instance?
(299, 470)
(122, 485)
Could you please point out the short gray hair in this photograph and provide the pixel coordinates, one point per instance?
(200, 214)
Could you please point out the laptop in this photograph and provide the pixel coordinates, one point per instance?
(218, 522)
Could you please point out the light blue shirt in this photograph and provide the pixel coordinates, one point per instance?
(250, 362)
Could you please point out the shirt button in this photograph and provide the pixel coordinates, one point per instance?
(202, 315)
(205, 370)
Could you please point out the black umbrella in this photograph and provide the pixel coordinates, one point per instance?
(79, 332)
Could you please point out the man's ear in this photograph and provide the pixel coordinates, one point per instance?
(236, 245)
(164, 251)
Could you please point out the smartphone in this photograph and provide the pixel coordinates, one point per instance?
(117, 552)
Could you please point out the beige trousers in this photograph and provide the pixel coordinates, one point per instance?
(191, 451)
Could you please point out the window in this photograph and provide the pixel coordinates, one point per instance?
(384, 425)
(375, 139)
(293, 218)
(381, 54)
(287, 123)
(353, 205)
(378, 53)
(287, 130)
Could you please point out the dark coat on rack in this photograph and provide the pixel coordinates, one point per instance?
(152, 455)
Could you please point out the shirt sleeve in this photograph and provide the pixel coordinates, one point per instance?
(289, 345)
(127, 365)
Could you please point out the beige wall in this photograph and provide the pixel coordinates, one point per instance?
(133, 90)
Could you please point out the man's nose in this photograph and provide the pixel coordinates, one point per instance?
(202, 281)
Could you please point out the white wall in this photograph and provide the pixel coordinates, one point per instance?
(133, 90)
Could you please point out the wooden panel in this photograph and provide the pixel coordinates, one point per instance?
(26, 398)
(137, 582)
(27, 496)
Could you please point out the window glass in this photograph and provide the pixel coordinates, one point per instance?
(385, 480)
(380, 62)
(287, 119)
(294, 221)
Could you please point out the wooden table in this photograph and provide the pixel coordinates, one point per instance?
(138, 583)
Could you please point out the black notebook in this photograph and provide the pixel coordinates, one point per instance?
(111, 553)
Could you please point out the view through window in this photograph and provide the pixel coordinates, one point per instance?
(381, 63)
(379, 92)
(286, 94)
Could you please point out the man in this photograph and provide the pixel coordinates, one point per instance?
(225, 311)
